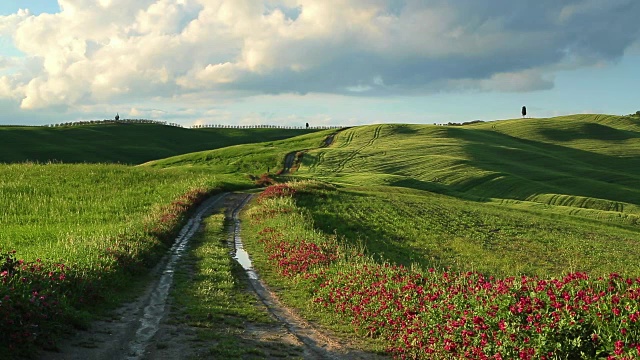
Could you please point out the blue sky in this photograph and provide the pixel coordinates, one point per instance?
(322, 62)
(8, 7)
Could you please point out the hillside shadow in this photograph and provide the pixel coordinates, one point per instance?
(435, 187)
(589, 131)
(518, 169)
(377, 241)
(535, 167)
(403, 129)
(126, 144)
(309, 160)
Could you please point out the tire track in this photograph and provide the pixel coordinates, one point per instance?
(290, 158)
(320, 157)
(345, 160)
(129, 335)
(376, 135)
(132, 332)
(156, 303)
(348, 140)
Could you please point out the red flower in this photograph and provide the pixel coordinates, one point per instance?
(616, 311)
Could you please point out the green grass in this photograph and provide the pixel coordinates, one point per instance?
(404, 309)
(296, 224)
(246, 159)
(212, 287)
(535, 196)
(105, 223)
(78, 236)
(122, 143)
(413, 227)
(526, 196)
(70, 213)
(541, 197)
(588, 162)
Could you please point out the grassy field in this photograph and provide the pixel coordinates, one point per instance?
(413, 227)
(68, 212)
(588, 161)
(126, 143)
(471, 291)
(460, 230)
(73, 236)
(71, 231)
(250, 158)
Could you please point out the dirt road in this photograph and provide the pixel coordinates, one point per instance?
(148, 328)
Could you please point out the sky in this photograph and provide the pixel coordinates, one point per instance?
(322, 62)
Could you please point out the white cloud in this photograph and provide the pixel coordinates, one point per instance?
(94, 52)
(10, 22)
(6, 88)
(521, 81)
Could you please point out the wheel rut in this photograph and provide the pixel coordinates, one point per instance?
(316, 344)
(132, 327)
(145, 328)
(292, 159)
(353, 154)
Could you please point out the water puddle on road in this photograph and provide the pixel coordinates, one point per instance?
(238, 252)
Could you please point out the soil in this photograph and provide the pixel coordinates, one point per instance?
(289, 162)
(292, 159)
(150, 328)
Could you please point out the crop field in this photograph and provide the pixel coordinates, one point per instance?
(65, 212)
(517, 239)
(432, 230)
(250, 158)
(71, 231)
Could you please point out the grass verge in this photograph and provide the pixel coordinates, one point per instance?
(438, 314)
(212, 294)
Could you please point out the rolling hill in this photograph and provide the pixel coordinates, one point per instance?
(581, 161)
(253, 158)
(534, 202)
(535, 198)
(585, 161)
(126, 143)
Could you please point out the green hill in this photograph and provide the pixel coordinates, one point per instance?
(586, 161)
(127, 143)
(253, 158)
(583, 161)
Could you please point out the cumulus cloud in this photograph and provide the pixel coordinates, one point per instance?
(101, 51)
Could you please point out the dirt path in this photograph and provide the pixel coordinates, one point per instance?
(147, 328)
(289, 161)
(292, 159)
(328, 141)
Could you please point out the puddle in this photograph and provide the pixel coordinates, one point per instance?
(238, 251)
(155, 308)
